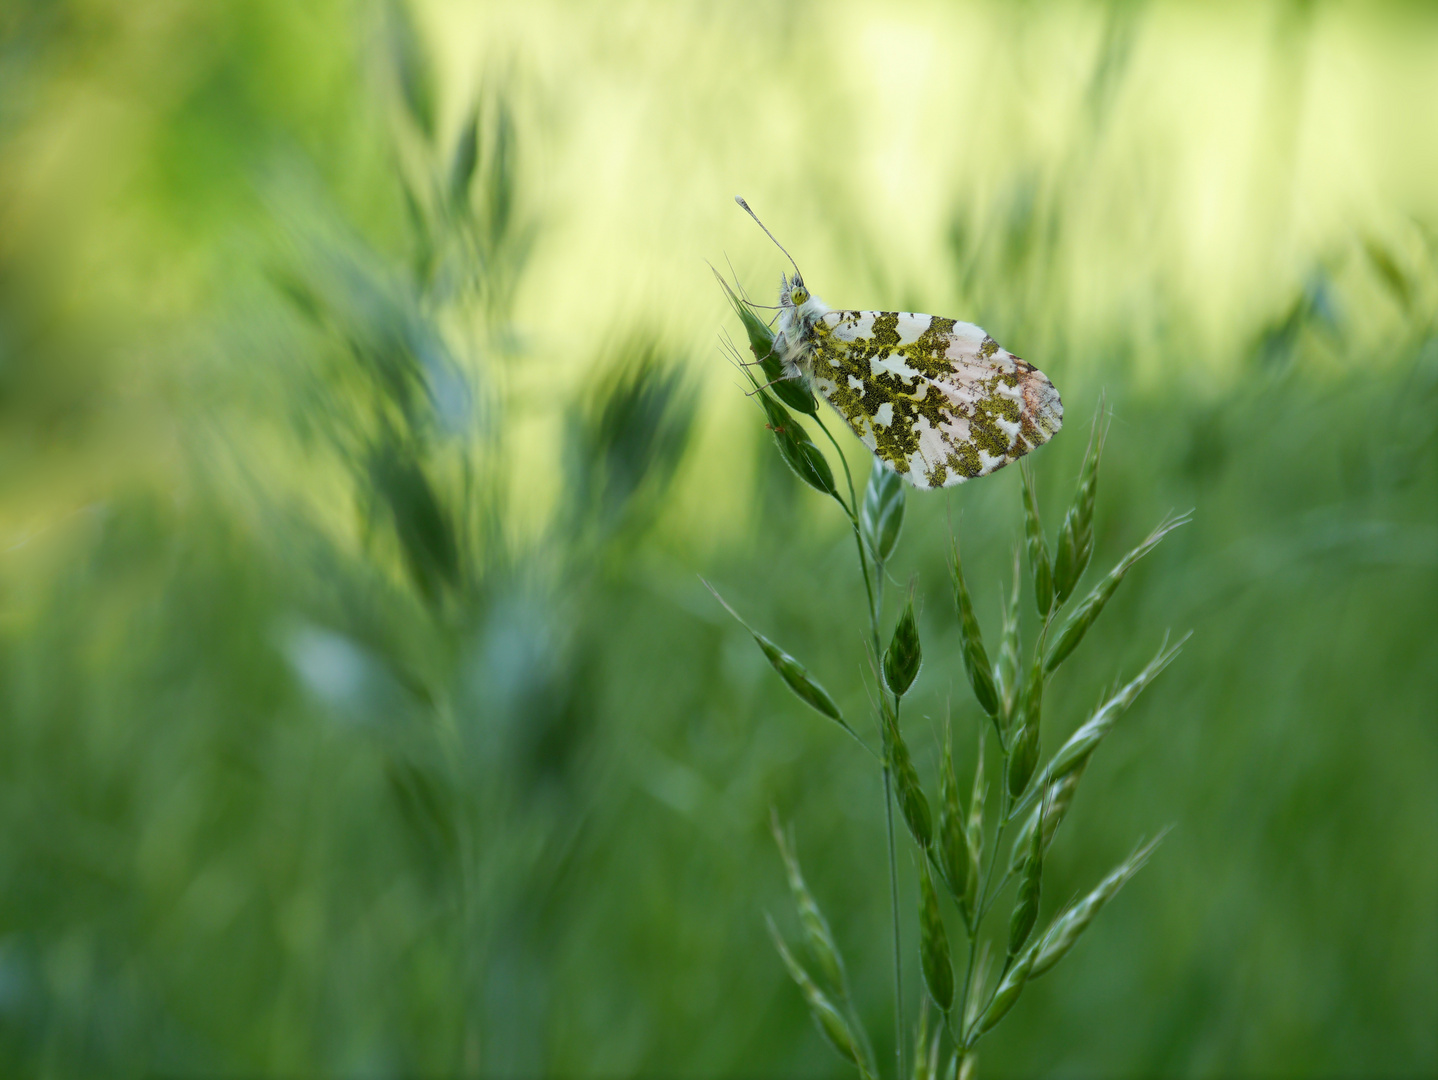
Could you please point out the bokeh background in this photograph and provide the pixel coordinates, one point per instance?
(364, 428)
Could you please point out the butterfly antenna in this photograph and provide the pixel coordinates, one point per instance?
(740, 200)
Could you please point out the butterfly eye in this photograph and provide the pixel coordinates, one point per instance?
(798, 296)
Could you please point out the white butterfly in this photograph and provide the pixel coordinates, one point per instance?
(936, 400)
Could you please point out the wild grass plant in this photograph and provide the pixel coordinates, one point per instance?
(360, 711)
(962, 847)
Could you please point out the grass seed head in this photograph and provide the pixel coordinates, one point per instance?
(1024, 754)
(1084, 616)
(1076, 534)
(904, 655)
(953, 845)
(1006, 668)
(1060, 937)
(792, 392)
(817, 935)
(797, 449)
(934, 944)
(827, 1017)
(883, 513)
(1038, 549)
(976, 660)
(912, 803)
(1008, 992)
(1026, 906)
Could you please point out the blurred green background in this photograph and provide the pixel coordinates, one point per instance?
(364, 428)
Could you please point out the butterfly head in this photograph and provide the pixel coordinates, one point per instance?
(792, 292)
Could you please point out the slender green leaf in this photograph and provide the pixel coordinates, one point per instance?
(466, 157)
(411, 65)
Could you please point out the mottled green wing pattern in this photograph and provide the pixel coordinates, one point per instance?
(936, 400)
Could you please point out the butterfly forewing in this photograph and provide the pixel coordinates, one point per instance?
(935, 399)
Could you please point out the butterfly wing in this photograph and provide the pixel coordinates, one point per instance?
(935, 399)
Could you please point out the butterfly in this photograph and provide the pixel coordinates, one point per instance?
(936, 400)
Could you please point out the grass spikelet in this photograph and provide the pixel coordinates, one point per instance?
(1085, 614)
(1057, 798)
(817, 935)
(1006, 668)
(792, 392)
(926, 1046)
(1060, 937)
(978, 794)
(1026, 907)
(1038, 549)
(1010, 987)
(952, 849)
(912, 803)
(882, 517)
(796, 448)
(1075, 544)
(934, 944)
(794, 674)
(976, 659)
(904, 655)
(1076, 750)
(1024, 754)
(827, 1017)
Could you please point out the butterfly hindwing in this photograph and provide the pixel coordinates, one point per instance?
(937, 400)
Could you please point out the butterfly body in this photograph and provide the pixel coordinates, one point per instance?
(935, 399)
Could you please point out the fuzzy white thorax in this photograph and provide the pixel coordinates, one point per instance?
(792, 333)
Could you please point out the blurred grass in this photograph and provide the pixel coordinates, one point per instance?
(360, 709)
